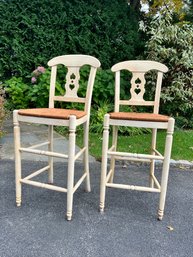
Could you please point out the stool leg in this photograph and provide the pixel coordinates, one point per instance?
(104, 162)
(112, 163)
(50, 158)
(165, 169)
(152, 165)
(17, 144)
(86, 157)
(71, 166)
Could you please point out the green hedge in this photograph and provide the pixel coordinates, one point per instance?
(33, 31)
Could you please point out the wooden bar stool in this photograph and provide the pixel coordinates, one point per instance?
(51, 116)
(152, 121)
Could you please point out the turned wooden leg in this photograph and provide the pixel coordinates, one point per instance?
(86, 157)
(112, 163)
(17, 144)
(152, 165)
(50, 158)
(165, 169)
(104, 162)
(71, 166)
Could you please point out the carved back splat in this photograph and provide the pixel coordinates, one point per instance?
(137, 90)
(73, 63)
(137, 86)
(72, 82)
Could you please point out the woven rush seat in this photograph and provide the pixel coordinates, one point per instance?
(139, 116)
(53, 113)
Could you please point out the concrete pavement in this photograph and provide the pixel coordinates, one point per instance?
(31, 134)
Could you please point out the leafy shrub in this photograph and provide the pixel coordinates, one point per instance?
(17, 93)
(172, 44)
(40, 30)
(39, 91)
(97, 116)
(33, 91)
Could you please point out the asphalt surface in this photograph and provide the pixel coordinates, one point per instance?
(128, 227)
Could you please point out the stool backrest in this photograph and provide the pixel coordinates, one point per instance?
(73, 63)
(137, 90)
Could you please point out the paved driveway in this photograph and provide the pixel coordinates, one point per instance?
(128, 228)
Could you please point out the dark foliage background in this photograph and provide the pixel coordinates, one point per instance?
(33, 31)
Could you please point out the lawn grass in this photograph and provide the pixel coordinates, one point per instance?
(182, 145)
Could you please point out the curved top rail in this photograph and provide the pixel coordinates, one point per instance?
(74, 60)
(139, 66)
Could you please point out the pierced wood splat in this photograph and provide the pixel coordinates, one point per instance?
(137, 87)
(72, 82)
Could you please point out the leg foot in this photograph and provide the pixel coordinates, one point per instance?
(160, 215)
(101, 208)
(18, 202)
(69, 216)
(87, 190)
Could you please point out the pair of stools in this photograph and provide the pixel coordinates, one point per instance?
(72, 118)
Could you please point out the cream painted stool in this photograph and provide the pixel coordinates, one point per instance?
(152, 121)
(59, 117)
